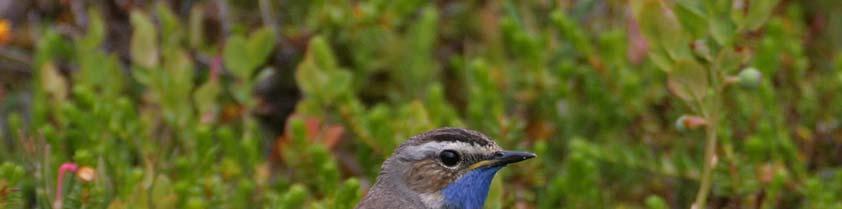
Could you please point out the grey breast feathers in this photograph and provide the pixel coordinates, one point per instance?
(387, 200)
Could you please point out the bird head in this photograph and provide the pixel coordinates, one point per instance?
(449, 167)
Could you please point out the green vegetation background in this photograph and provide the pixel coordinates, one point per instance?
(294, 104)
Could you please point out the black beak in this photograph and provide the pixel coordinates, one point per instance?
(509, 157)
(503, 158)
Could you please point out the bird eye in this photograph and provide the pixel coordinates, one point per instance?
(449, 157)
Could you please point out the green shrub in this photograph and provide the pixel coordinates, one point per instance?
(627, 104)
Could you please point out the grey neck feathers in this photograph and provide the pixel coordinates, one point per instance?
(390, 191)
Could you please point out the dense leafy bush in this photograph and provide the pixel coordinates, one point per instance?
(241, 104)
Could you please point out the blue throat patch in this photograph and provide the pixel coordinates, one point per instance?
(469, 191)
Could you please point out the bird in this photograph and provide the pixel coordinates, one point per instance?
(445, 168)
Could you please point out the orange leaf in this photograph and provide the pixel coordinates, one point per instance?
(333, 135)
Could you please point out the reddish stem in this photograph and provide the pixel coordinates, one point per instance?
(72, 167)
(216, 67)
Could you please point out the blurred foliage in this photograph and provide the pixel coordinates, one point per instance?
(171, 103)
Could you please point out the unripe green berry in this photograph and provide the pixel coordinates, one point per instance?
(749, 78)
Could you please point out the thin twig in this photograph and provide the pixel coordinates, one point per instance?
(15, 55)
(268, 16)
(711, 113)
(710, 151)
(222, 7)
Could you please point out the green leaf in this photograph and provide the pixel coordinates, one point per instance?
(97, 69)
(171, 29)
(319, 76)
(145, 77)
(660, 59)
(722, 30)
(486, 103)
(758, 12)
(177, 83)
(688, 80)
(693, 18)
(347, 194)
(52, 46)
(261, 44)
(573, 32)
(319, 50)
(53, 82)
(179, 69)
(728, 60)
(697, 8)
(242, 56)
(662, 29)
(295, 197)
(144, 43)
(96, 31)
(100, 71)
(196, 27)
(162, 193)
(206, 97)
(441, 111)
(236, 56)
(13, 173)
(419, 67)
(416, 112)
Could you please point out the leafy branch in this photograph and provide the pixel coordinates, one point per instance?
(679, 34)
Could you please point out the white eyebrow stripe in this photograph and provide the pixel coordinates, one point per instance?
(418, 152)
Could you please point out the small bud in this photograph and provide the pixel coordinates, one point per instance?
(86, 174)
(689, 122)
(749, 78)
(700, 48)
